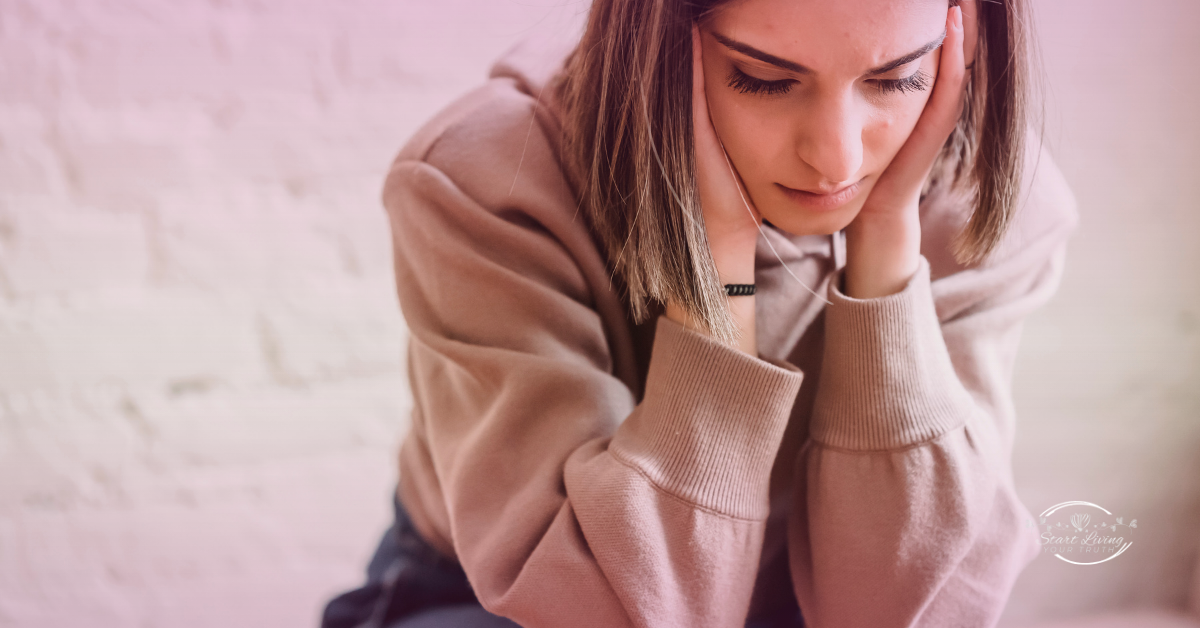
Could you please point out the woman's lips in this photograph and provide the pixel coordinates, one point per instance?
(822, 202)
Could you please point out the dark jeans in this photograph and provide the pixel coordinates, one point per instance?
(412, 585)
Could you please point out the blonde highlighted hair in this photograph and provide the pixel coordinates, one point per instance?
(626, 96)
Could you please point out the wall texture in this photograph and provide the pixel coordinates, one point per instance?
(201, 355)
(1108, 379)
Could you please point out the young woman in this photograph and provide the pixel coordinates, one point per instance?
(611, 429)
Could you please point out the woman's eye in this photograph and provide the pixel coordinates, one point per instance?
(747, 84)
(918, 82)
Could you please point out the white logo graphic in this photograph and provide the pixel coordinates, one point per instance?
(1067, 531)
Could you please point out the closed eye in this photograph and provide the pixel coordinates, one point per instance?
(918, 82)
(747, 84)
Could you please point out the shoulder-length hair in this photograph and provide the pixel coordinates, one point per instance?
(626, 95)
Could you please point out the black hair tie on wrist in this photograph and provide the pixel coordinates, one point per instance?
(739, 289)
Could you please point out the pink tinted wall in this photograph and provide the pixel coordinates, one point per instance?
(201, 357)
(201, 354)
(1108, 378)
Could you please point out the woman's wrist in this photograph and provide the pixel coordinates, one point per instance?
(735, 264)
(734, 259)
(742, 310)
(881, 255)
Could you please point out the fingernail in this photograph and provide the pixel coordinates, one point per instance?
(958, 17)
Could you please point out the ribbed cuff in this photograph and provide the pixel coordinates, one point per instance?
(710, 423)
(887, 381)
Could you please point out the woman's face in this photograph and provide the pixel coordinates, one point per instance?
(813, 98)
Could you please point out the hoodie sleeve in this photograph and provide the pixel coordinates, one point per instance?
(567, 503)
(904, 511)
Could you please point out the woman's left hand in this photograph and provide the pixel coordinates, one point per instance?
(883, 242)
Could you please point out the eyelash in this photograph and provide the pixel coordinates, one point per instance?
(918, 82)
(747, 84)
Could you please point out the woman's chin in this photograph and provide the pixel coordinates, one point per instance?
(797, 223)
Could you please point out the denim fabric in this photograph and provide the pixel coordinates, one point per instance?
(412, 585)
(465, 615)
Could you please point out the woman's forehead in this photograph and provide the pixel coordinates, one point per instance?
(832, 36)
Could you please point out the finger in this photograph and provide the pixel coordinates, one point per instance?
(970, 20)
(720, 185)
(941, 112)
(706, 137)
(947, 97)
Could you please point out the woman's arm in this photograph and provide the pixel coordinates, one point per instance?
(904, 511)
(731, 223)
(566, 503)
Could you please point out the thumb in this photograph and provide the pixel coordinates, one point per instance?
(720, 184)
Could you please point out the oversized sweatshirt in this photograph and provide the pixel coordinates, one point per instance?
(589, 471)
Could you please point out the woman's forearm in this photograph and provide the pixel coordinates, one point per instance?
(735, 264)
(881, 254)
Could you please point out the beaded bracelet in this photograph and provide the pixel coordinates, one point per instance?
(739, 289)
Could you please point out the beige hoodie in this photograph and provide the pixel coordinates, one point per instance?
(587, 471)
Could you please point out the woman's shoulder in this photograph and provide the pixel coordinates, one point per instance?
(482, 181)
(1046, 214)
(500, 143)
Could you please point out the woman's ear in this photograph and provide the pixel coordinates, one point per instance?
(970, 18)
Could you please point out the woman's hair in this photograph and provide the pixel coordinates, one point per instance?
(626, 94)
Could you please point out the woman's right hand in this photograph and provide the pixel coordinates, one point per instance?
(732, 230)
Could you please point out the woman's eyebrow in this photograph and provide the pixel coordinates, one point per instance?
(792, 66)
(755, 53)
(910, 57)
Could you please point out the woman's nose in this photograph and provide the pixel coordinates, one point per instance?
(831, 141)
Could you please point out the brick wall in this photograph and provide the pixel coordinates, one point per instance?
(201, 354)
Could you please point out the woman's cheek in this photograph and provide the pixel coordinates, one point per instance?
(888, 130)
(740, 128)
(762, 154)
(719, 107)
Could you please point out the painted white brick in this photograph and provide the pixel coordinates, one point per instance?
(240, 545)
(201, 355)
(128, 336)
(54, 249)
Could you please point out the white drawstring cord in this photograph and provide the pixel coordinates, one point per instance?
(760, 229)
